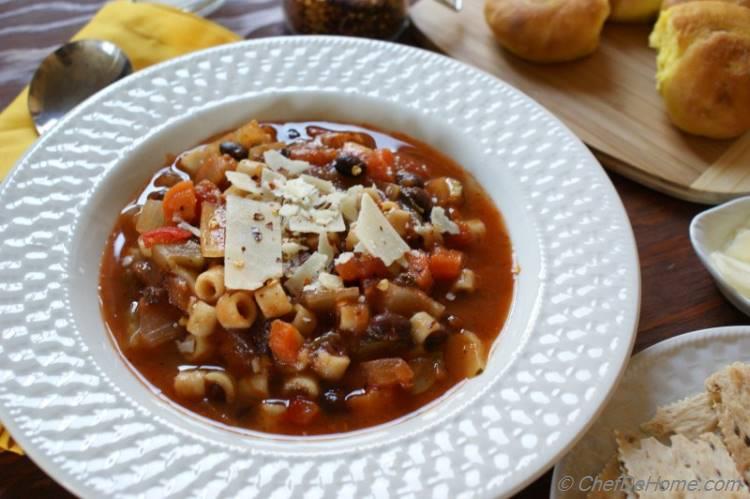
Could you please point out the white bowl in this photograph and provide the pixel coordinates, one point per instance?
(711, 231)
(81, 414)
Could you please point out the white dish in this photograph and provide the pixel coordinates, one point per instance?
(663, 373)
(81, 414)
(711, 231)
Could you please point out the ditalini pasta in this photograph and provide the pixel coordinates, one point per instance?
(307, 278)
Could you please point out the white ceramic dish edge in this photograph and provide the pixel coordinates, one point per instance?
(710, 231)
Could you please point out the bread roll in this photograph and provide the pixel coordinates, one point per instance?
(634, 11)
(547, 30)
(671, 3)
(703, 65)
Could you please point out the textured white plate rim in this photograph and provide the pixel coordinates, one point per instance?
(589, 410)
(734, 297)
(668, 348)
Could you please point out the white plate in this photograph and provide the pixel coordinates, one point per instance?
(72, 403)
(711, 231)
(663, 373)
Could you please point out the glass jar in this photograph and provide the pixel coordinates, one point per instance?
(384, 19)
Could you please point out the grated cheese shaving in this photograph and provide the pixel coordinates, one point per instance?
(377, 235)
(306, 273)
(244, 182)
(442, 222)
(277, 161)
(253, 243)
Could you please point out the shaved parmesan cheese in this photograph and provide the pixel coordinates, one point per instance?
(306, 273)
(442, 222)
(272, 180)
(288, 210)
(325, 247)
(291, 248)
(322, 185)
(316, 221)
(276, 161)
(350, 202)
(244, 182)
(299, 191)
(330, 281)
(253, 243)
(378, 236)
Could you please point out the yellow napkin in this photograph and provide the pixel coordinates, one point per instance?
(148, 33)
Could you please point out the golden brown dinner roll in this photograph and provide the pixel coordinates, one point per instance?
(547, 30)
(671, 3)
(703, 69)
(633, 11)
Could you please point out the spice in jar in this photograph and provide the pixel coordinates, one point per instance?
(383, 19)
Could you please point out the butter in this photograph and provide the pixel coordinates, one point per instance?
(733, 262)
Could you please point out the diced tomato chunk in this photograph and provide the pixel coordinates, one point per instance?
(301, 411)
(361, 267)
(419, 268)
(388, 372)
(446, 264)
(318, 156)
(285, 341)
(165, 235)
(461, 240)
(180, 200)
(380, 165)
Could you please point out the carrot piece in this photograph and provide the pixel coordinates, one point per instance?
(446, 264)
(380, 165)
(302, 412)
(419, 268)
(180, 200)
(165, 235)
(285, 341)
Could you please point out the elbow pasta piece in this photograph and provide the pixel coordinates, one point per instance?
(330, 367)
(202, 349)
(209, 285)
(272, 300)
(302, 384)
(225, 381)
(190, 385)
(253, 387)
(202, 320)
(304, 320)
(236, 310)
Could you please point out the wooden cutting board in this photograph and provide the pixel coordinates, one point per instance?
(609, 100)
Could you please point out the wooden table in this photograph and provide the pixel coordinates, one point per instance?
(678, 294)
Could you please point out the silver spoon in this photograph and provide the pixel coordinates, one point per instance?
(70, 75)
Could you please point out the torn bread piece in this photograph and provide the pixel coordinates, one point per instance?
(690, 417)
(730, 393)
(610, 472)
(702, 459)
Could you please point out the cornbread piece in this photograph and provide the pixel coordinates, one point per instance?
(633, 11)
(611, 471)
(547, 31)
(703, 67)
(689, 417)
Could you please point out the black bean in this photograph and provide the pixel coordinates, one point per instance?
(334, 399)
(418, 199)
(349, 166)
(235, 150)
(409, 179)
(390, 326)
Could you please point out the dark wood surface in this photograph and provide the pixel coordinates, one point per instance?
(678, 295)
